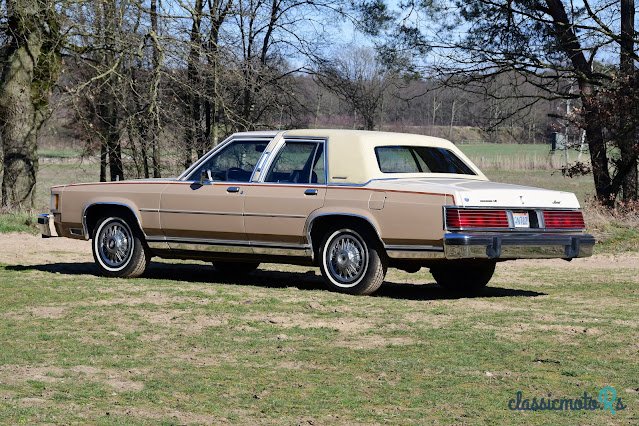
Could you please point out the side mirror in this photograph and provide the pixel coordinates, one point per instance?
(204, 178)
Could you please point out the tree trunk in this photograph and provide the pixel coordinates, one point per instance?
(154, 109)
(103, 160)
(31, 51)
(628, 127)
(569, 43)
(193, 128)
(597, 147)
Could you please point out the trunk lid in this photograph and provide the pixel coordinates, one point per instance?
(482, 193)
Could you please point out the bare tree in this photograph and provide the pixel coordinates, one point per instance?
(31, 64)
(360, 79)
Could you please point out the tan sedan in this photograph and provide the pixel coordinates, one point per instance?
(351, 202)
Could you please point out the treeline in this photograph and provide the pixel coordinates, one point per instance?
(149, 86)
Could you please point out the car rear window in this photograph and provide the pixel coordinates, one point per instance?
(419, 159)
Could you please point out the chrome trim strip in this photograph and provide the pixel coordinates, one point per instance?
(213, 213)
(229, 246)
(414, 248)
(280, 251)
(211, 248)
(287, 216)
(400, 251)
(158, 245)
(230, 242)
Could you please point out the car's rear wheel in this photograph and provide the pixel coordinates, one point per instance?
(466, 277)
(235, 268)
(119, 250)
(352, 262)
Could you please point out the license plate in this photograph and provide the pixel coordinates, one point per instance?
(521, 220)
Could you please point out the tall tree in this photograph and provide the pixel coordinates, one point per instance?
(30, 68)
(193, 131)
(153, 110)
(360, 79)
(543, 42)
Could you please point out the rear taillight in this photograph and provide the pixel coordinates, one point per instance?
(562, 219)
(476, 218)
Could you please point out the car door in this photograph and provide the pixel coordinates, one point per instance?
(277, 206)
(205, 211)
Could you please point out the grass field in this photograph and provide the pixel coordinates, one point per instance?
(518, 157)
(186, 346)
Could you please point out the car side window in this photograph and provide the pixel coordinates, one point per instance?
(234, 163)
(396, 159)
(298, 162)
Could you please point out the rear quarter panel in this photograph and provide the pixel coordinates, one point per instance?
(401, 217)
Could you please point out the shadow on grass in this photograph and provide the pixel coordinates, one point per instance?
(310, 280)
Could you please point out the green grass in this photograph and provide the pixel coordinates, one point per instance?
(492, 150)
(183, 347)
(518, 157)
(17, 222)
(59, 153)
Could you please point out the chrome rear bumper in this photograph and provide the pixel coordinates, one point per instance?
(517, 246)
(46, 226)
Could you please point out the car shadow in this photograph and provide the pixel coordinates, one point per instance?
(310, 280)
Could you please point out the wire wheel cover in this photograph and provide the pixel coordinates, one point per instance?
(347, 259)
(115, 244)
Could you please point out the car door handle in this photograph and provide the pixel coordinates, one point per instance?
(233, 189)
(310, 191)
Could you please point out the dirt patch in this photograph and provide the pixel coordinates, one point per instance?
(374, 342)
(151, 298)
(432, 320)
(27, 249)
(45, 312)
(598, 261)
(121, 381)
(184, 320)
(14, 374)
(523, 331)
(342, 325)
(157, 414)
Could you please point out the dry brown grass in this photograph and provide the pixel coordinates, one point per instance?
(615, 229)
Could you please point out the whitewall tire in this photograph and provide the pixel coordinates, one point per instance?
(118, 250)
(351, 262)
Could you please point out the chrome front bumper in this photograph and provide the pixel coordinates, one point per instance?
(517, 246)
(46, 226)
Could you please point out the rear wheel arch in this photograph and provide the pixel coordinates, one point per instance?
(320, 225)
(96, 211)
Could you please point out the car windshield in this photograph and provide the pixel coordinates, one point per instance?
(420, 159)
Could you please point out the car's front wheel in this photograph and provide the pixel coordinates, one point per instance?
(118, 250)
(467, 277)
(351, 262)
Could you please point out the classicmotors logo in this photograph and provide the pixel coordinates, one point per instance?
(606, 400)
